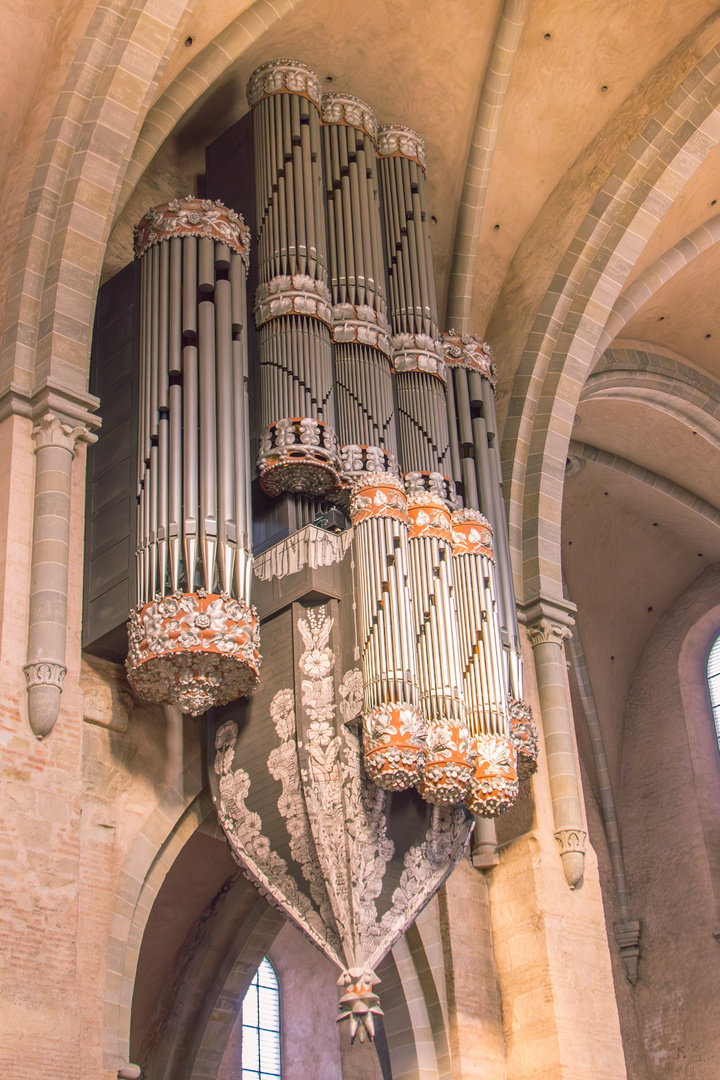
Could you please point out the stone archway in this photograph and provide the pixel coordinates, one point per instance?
(563, 341)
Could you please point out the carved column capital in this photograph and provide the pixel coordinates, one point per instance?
(70, 406)
(545, 631)
(44, 673)
(51, 431)
(572, 854)
(547, 619)
(571, 840)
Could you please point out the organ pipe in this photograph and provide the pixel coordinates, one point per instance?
(361, 332)
(393, 724)
(448, 767)
(494, 784)
(426, 461)
(471, 414)
(418, 357)
(193, 636)
(298, 446)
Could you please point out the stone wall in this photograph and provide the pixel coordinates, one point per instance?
(670, 815)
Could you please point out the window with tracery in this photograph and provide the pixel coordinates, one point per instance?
(261, 1026)
(713, 677)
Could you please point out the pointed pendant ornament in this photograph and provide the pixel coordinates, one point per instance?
(347, 783)
(350, 864)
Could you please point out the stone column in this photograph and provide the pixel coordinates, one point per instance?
(55, 444)
(548, 628)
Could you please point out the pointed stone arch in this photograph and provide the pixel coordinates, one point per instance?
(562, 345)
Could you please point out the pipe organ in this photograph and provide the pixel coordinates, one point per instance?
(365, 410)
(364, 403)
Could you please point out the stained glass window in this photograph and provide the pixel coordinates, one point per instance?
(713, 675)
(261, 1026)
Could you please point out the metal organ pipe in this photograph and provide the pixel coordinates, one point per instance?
(418, 363)
(361, 332)
(298, 446)
(192, 646)
(494, 784)
(473, 377)
(345, 272)
(393, 726)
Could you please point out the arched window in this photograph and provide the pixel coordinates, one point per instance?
(261, 1026)
(713, 677)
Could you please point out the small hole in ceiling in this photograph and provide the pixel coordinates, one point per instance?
(607, 492)
(655, 524)
(603, 89)
(547, 36)
(708, 335)
(328, 78)
(612, 657)
(700, 554)
(496, 228)
(189, 41)
(660, 318)
(650, 608)
(434, 220)
(569, 543)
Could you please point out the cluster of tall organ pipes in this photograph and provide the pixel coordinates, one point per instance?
(365, 404)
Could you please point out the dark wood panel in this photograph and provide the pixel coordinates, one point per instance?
(110, 505)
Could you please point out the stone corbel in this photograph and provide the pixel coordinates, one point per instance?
(55, 446)
(627, 935)
(484, 852)
(549, 625)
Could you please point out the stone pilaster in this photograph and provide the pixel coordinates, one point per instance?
(55, 445)
(548, 625)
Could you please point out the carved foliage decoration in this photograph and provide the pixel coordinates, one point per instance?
(350, 110)
(362, 324)
(418, 352)
(524, 737)
(394, 745)
(358, 460)
(293, 295)
(193, 217)
(494, 784)
(283, 77)
(397, 141)
(193, 650)
(462, 350)
(339, 875)
(299, 453)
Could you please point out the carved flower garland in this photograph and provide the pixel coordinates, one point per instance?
(193, 650)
